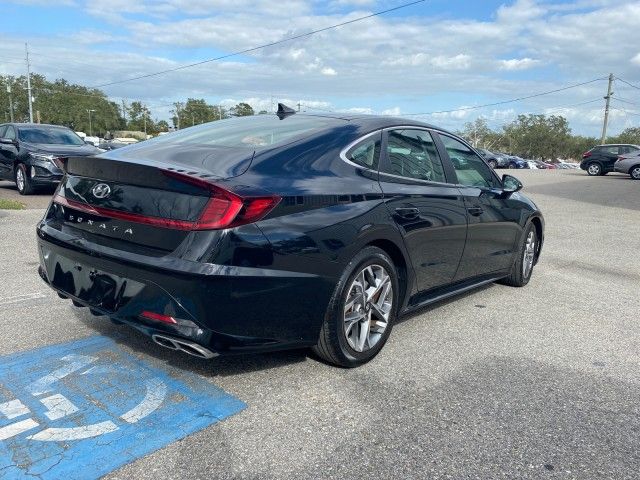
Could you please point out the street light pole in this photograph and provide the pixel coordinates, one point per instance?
(90, 130)
(26, 49)
(10, 102)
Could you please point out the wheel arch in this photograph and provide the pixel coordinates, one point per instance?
(399, 261)
(538, 223)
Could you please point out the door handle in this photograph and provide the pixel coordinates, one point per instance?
(408, 213)
(475, 211)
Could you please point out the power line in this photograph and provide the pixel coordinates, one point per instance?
(630, 84)
(260, 47)
(509, 101)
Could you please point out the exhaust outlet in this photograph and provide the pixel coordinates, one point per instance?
(185, 346)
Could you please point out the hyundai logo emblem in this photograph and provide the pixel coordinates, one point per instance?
(101, 190)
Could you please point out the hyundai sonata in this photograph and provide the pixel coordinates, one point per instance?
(284, 231)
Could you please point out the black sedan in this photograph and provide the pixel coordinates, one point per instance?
(284, 231)
(32, 154)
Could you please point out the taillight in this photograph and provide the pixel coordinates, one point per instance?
(226, 209)
(158, 317)
(586, 154)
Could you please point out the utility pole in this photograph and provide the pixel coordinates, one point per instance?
(124, 113)
(26, 49)
(144, 116)
(298, 106)
(90, 130)
(10, 102)
(606, 109)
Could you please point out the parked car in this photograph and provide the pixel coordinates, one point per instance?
(112, 145)
(517, 162)
(31, 154)
(630, 164)
(283, 231)
(489, 157)
(600, 159)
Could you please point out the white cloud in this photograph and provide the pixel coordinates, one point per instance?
(395, 111)
(414, 63)
(457, 62)
(518, 63)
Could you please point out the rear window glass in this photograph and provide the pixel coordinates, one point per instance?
(253, 132)
(49, 135)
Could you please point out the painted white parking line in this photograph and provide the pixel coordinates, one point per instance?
(13, 409)
(156, 391)
(58, 406)
(74, 433)
(75, 363)
(17, 428)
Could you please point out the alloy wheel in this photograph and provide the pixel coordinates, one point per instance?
(529, 254)
(635, 173)
(368, 307)
(20, 179)
(594, 169)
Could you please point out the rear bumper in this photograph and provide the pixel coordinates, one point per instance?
(226, 309)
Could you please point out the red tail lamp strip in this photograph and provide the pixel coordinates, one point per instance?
(224, 209)
(158, 317)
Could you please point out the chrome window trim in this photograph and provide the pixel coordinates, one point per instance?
(345, 150)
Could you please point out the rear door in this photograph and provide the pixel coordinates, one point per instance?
(429, 211)
(608, 154)
(493, 221)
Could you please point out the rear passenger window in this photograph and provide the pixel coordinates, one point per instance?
(413, 154)
(366, 153)
(2, 130)
(613, 149)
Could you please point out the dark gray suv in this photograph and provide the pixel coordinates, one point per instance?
(600, 159)
(31, 154)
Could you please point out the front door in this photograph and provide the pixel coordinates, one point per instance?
(430, 213)
(493, 221)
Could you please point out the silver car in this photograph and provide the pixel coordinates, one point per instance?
(629, 163)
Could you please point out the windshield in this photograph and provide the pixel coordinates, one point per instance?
(251, 132)
(49, 135)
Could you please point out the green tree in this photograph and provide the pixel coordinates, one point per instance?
(242, 110)
(477, 133)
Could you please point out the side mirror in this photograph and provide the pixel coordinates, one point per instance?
(510, 184)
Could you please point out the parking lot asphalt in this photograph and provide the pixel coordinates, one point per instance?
(537, 382)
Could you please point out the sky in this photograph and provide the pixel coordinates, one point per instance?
(443, 56)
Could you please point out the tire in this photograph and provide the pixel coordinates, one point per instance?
(513, 165)
(23, 182)
(339, 340)
(493, 164)
(520, 273)
(634, 172)
(594, 169)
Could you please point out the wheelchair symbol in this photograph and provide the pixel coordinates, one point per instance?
(58, 406)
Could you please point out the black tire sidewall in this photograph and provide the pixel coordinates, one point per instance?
(368, 256)
(27, 187)
(520, 273)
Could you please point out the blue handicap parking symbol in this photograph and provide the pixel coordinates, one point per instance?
(82, 409)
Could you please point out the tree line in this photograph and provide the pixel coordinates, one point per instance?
(76, 106)
(90, 110)
(538, 137)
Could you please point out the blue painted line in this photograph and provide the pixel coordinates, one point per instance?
(80, 410)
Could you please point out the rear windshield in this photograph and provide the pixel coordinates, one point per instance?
(49, 135)
(251, 132)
